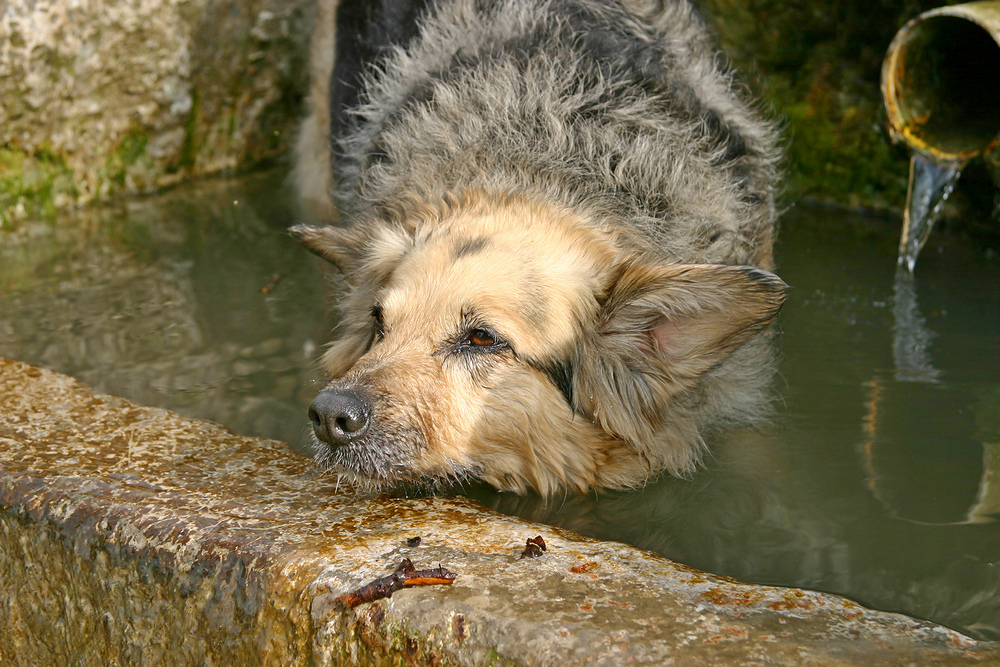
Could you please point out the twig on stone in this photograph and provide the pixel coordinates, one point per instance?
(403, 576)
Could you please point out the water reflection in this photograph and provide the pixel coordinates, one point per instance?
(877, 479)
(196, 300)
(902, 451)
(911, 337)
(898, 438)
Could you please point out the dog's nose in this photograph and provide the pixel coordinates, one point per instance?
(338, 416)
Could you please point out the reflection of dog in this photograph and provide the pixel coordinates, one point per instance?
(559, 224)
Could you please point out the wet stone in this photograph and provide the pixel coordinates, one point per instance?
(132, 535)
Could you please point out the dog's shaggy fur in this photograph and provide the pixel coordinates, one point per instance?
(557, 219)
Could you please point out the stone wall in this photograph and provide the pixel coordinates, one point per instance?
(106, 97)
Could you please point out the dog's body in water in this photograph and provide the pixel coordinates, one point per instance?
(555, 226)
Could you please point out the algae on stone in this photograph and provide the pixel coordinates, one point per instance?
(33, 185)
(102, 99)
(817, 66)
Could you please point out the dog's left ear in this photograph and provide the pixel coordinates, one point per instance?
(338, 245)
(662, 327)
(690, 316)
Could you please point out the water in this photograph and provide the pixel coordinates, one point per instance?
(879, 479)
(196, 301)
(931, 182)
(911, 339)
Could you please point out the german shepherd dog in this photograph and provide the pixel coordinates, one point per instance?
(555, 231)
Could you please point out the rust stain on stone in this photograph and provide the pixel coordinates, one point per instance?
(459, 630)
(739, 597)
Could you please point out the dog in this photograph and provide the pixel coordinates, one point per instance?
(555, 222)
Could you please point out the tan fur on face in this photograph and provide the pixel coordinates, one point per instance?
(526, 272)
(559, 291)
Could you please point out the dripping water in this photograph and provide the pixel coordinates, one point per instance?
(930, 184)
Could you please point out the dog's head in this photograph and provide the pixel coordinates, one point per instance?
(513, 342)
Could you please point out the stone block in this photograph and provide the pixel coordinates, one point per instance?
(131, 535)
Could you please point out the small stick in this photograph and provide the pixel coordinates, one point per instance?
(266, 289)
(437, 575)
(384, 587)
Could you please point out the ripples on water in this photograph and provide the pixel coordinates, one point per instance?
(879, 478)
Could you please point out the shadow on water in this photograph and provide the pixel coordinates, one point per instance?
(879, 479)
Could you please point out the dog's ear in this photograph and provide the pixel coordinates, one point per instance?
(661, 327)
(374, 248)
(689, 317)
(338, 245)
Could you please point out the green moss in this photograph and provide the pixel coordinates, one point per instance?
(189, 149)
(839, 155)
(494, 659)
(125, 158)
(817, 65)
(132, 147)
(31, 185)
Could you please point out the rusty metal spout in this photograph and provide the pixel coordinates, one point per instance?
(941, 82)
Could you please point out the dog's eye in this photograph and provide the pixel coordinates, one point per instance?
(482, 338)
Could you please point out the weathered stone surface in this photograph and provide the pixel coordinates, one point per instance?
(131, 535)
(102, 97)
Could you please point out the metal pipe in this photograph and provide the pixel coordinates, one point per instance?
(941, 82)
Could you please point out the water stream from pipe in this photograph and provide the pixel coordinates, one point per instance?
(931, 181)
(930, 184)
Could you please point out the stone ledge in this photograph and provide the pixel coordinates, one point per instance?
(133, 535)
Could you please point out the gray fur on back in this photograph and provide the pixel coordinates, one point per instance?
(620, 110)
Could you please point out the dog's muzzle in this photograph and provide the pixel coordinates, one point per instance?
(339, 416)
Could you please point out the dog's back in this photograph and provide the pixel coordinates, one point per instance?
(623, 106)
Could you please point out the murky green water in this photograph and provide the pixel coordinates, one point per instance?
(879, 479)
(195, 301)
